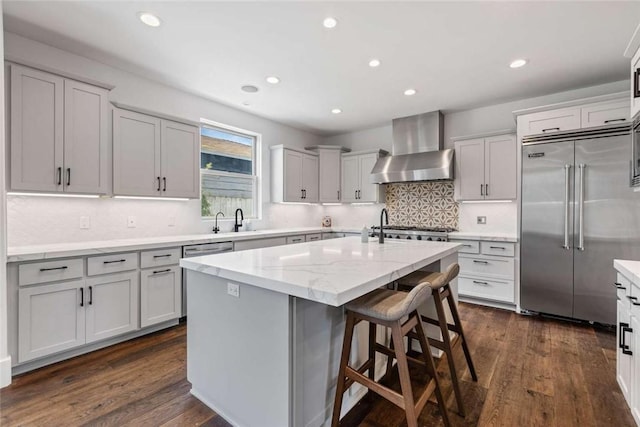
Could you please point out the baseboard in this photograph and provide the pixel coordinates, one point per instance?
(213, 407)
(487, 303)
(5, 371)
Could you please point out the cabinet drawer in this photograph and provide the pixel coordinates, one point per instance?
(50, 271)
(605, 113)
(496, 267)
(468, 246)
(313, 237)
(295, 239)
(551, 121)
(160, 257)
(111, 263)
(624, 288)
(497, 248)
(497, 290)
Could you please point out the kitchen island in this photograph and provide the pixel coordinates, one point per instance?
(265, 326)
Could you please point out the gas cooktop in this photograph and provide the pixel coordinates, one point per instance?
(411, 228)
(419, 233)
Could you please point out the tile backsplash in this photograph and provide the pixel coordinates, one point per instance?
(423, 204)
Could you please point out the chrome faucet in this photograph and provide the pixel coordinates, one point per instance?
(237, 226)
(384, 214)
(215, 227)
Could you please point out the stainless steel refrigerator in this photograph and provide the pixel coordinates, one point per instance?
(578, 213)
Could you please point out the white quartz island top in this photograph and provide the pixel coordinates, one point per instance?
(332, 271)
(630, 269)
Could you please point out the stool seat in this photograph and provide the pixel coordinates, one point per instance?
(385, 304)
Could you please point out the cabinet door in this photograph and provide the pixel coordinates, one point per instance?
(85, 138)
(136, 154)
(329, 175)
(350, 178)
(635, 84)
(51, 318)
(111, 305)
(623, 361)
(470, 169)
(634, 402)
(310, 178)
(368, 191)
(292, 176)
(500, 167)
(180, 167)
(160, 295)
(36, 130)
(605, 113)
(550, 121)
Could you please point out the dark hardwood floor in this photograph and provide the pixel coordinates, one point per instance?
(532, 372)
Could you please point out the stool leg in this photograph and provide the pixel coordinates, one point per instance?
(389, 362)
(405, 379)
(444, 329)
(463, 339)
(344, 360)
(431, 369)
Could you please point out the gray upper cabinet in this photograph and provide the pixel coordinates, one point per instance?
(58, 138)
(486, 168)
(154, 157)
(294, 175)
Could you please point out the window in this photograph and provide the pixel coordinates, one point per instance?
(228, 171)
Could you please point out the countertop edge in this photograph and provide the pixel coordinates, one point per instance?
(622, 265)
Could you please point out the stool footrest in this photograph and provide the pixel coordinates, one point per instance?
(362, 369)
(388, 352)
(383, 391)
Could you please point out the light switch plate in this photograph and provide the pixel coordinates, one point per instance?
(85, 223)
(482, 220)
(233, 289)
(131, 221)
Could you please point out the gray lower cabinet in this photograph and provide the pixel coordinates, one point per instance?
(154, 157)
(160, 295)
(58, 134)
(61, 316)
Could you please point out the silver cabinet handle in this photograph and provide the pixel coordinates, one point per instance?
(567, 193)
(581, 168)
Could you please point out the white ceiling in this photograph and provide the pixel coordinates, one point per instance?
(456, 54)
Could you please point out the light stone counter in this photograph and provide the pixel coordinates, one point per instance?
(630, 269)
(63, 250)
(479, 235)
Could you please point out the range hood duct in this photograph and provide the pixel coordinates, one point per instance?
(417, 153)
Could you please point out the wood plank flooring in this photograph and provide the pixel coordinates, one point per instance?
(532, 372)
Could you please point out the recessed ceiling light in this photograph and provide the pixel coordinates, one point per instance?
(410, 92)
(330, 22)
(336, 111)
(249, 89)
(273, 80)
(246, 103)
(374, 63)
(149, 19)
(518, 63)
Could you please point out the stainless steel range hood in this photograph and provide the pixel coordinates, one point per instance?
(417, 153)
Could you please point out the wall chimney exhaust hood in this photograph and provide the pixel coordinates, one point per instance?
(417, 153)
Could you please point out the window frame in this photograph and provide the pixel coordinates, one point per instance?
(256, 176)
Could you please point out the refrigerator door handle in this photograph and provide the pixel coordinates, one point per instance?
(581, 168)
(567, 191)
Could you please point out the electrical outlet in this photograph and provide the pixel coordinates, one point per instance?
(482, 220)
(131, 221)
(172, 221)
(233, 289)
(85, 223)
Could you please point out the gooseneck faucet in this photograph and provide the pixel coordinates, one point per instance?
(215, 227)
(237, 225)
(384, 214)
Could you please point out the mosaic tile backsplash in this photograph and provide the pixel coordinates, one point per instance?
(422, 204)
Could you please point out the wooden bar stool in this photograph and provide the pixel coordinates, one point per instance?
(387, 308)
(441, 290)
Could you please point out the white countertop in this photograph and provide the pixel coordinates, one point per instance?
(61, 250)
(480, 235)
(629, 269)
(331, 271)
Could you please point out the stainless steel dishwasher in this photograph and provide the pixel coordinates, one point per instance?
(200, 250)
